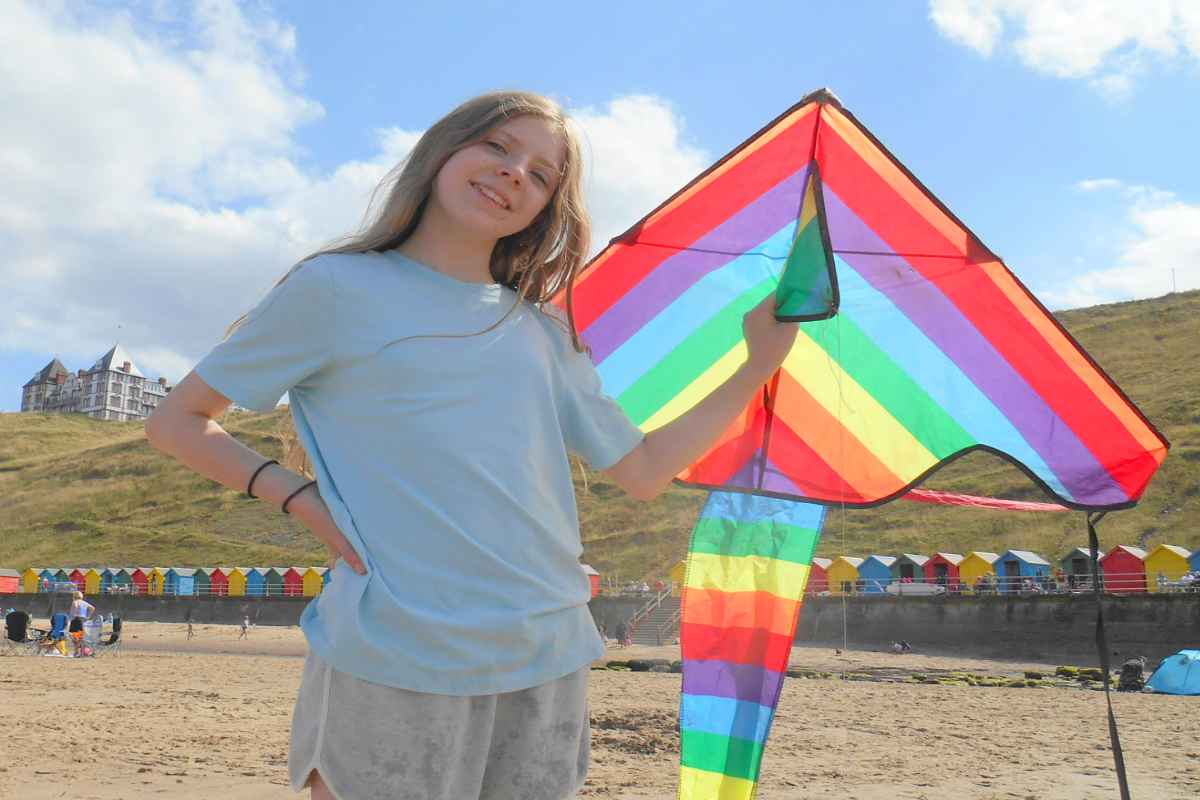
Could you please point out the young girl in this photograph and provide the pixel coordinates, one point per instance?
(437, 396)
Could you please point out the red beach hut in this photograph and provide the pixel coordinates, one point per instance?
(1124, 570)
(77, 576)
(293, 582)
(141, 580)
(218, 582)
(818, 578)
(593, 578)
(942, 569)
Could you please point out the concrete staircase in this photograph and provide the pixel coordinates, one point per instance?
(660, 626)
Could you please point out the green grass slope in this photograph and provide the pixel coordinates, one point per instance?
(79, 492)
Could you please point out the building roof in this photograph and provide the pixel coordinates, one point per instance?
(114, 359)
(918, 560)
(1078, 552)
(823, 563)
(887, 561)
(1128, 548)
(1173, 548)
(1028, 556)
(986, 556)
(853, 561)
(9, 573)
(46, 374)
(953, 558)
(588, 569)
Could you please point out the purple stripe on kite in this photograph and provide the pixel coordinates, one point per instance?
(939, 319)
(737, 235)
(748, 682)
(773, 481)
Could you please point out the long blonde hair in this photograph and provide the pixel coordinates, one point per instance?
(538, 262)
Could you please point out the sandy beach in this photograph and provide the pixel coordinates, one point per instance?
(210, 717)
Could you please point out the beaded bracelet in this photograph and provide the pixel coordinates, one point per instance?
(283, 508)
(261, 467)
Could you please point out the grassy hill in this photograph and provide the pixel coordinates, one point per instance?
(77, 491)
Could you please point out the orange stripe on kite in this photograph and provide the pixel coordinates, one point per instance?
(741, 610)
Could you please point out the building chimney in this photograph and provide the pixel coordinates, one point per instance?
(125, 367)
(162, 381)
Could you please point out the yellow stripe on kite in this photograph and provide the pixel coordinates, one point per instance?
(784, 579)
(702, 387)
(857, 410)
(700, 784)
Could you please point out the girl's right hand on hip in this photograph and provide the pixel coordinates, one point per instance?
(310, 509)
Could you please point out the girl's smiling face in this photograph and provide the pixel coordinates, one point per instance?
(498, 185)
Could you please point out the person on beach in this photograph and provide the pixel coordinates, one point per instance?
(80, 612)
(245, 627)
(431, 381)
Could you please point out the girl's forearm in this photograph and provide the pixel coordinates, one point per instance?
(204, 446)
(671, 448)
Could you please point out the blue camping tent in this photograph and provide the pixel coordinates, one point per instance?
(1178, 674)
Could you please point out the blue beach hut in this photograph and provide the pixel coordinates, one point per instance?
(122, 579)
(46, 578)
(256, 582)
(180, 580)
(1194, 561)
(875, 573)
(106, 579)
(1014, 566)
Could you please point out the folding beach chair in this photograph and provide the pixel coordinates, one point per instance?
(110, 645)
(19, 636)
(55, 642)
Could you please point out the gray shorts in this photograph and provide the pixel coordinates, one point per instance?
(371, 741)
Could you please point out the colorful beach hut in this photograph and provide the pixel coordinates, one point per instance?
(256, 581)
(677, 575)
(156, 580)
(842, 574)
(875, 573)
(1167, 562)
(293, 581)
(909, 568)
(313, 581)
(593, 578)
(818, 576)
(10, 581)
(49, 576)
(91, 581)
(273, 581)
(77, 576)
(31, 580)
(1194, 561)
(942, 569)
(180, 581)
(218, 581)
(236, 576)
(1013, 567)
(121, 579)
(140, 577)
(1124, 570)
(1077, 566)
(203, 576)
(974, 566)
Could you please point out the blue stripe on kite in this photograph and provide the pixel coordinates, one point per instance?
(724, 716)
(896, 335)
(703, 299)
(740, 507)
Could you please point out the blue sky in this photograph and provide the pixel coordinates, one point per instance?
(170, 160)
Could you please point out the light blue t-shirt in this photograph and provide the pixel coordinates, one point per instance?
(442, 460)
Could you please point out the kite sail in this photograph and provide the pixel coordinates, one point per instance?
(916, 345)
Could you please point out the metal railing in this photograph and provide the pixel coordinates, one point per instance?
(1016, 585)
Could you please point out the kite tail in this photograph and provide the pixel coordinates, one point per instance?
(744, 584)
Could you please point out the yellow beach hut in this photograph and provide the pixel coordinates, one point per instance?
(237, 581)
(312, 580)
(31, 580)
(1167, 560)
(842, 574)
(91, 581)
(676, 576)
(156, 579)
(975, 565)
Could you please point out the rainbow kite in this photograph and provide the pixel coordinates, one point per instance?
(916, 346)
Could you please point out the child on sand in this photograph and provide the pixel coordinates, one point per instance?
(245, 627)
(431, 381)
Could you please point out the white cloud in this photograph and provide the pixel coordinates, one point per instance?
(1107, 42)
(152, 182)
(1159, 252)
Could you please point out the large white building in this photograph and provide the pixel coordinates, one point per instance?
(112, 389)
